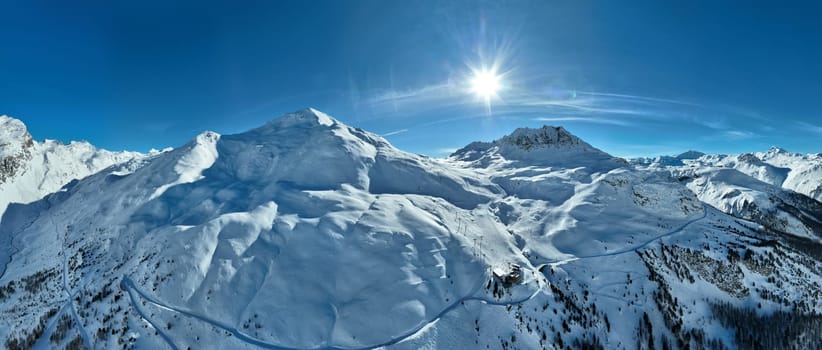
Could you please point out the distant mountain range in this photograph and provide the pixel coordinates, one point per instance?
(791, 171)
(306, 233)
(29, 170)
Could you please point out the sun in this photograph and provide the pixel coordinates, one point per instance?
(485, 84)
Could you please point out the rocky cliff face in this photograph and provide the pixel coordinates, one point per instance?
(15, 147)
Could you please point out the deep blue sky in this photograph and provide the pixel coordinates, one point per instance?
(633, 78)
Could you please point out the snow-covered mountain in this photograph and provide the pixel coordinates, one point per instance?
(30, 170)
(661, 161)
(775, 188)
(792, 171)
(547, 146)
(306, 233)
(805, 170)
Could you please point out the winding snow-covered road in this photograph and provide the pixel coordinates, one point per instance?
(129, 286)
(69, 295)
(705, 209)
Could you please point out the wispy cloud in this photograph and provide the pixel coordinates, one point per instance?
(739, 134)
(557, 105)
(393, 96)
(816, 129)
(585, 107)
(416, 100)
(395, 132)
(636, 98)
(582, 106)
(606, 108)
(716, 124)
(593, 120)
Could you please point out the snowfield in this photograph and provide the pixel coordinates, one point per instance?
(306, 233)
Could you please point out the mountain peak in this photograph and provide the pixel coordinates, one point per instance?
(14, 138)
(547, 145)
(749, 158)
(7, 120)
(207, 137)
(690, 154)
(544, 137)
(777, 150)
(11, 128)
(303, 118)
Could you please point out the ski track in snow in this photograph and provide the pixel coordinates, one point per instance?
(131, 288)
(143, 315)
(69, 295)
(42, 343)
(127, 284)
(631, 249)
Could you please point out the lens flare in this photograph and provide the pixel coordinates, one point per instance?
(485, 84)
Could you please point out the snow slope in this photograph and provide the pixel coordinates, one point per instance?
(805, 170)
(743, 196)
(29, 169)
(303, 217)
(775, 188)
(306, 233)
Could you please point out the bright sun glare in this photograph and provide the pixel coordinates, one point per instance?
(485, 84)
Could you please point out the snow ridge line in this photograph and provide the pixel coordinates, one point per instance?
(14, 249)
